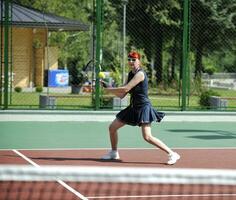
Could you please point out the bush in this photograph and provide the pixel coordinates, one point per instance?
(196, 86)
(106, 102)
(204, 100)
(210, 70)
(18, 89)
(39, 89)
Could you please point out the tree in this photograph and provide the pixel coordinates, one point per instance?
(213, 28)
(149, 25)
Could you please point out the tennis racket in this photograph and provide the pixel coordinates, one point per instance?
(105, 84)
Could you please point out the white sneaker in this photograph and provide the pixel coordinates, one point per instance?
(173, 158)
(111, 155)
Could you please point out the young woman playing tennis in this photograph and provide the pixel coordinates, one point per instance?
(140, 111)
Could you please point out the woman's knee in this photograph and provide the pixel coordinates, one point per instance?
(147, 137)
(146, 131)
(112, 128)
(115, 125)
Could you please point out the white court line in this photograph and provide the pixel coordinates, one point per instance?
(124, 148)
(25, 158)
(164, 196)
(108, 117)
(59, 181)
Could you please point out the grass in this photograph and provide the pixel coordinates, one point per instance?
(163, 100)
(32, 100)
(226, 93)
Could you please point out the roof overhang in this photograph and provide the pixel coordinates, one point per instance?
(31, 18)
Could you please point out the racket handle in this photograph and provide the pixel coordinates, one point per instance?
(104, 84)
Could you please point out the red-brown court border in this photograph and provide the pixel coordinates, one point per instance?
(190, 158)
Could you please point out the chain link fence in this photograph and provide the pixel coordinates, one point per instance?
(155, 29)
(53, 65)
(212, 54)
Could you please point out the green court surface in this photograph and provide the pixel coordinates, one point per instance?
(65, 134)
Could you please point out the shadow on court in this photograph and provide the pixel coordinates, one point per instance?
(214, 134)
(94, 160)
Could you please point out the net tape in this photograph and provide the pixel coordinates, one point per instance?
(117, 174)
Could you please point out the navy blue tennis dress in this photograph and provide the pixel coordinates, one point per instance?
(140, 110)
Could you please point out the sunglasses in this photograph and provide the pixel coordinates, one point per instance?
(131, 59)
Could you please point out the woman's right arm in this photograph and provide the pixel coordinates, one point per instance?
(122, 91)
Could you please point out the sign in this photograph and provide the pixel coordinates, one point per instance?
(58, 78)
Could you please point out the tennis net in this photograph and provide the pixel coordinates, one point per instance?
(67, 182)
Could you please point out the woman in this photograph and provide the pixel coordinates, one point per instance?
(139, 112)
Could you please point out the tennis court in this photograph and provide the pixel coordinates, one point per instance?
(204, 141)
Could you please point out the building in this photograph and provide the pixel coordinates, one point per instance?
(30, 55)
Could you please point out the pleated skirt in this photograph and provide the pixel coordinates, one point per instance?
(136, 116)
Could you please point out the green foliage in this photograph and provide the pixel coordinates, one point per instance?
(209, 65)
(204, 100)
(228, 61)
(18, 89)
(39, 89)
(77, 76)
(196, 86)
(210, 70)
(213, 29)
(116, 76)
(106, 102)
(37, 43)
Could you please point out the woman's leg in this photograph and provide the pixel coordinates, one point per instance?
(113, 154)
(114, 126)
(147, 135)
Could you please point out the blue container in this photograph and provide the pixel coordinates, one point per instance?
(58, 78)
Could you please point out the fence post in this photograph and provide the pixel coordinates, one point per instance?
(185, 53)
(6, 41)
(98, 51)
